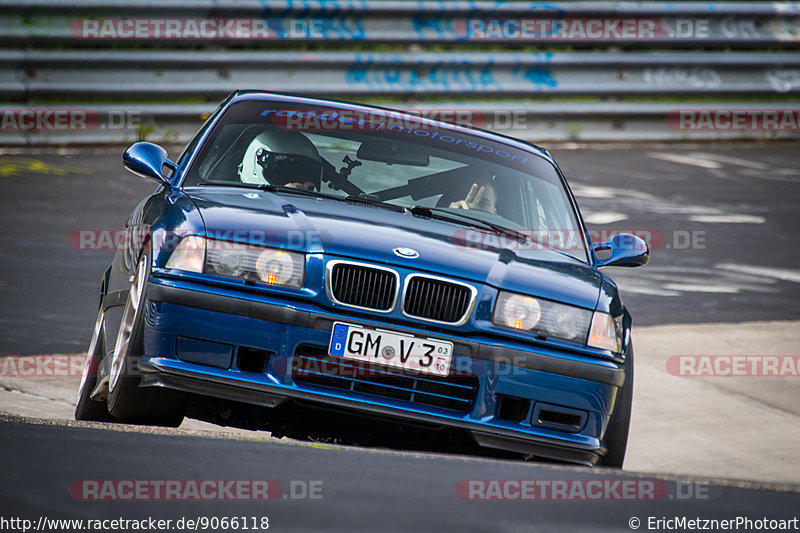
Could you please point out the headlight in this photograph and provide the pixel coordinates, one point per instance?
(277, 267)
(542, 317)
(189, 255)
(257, 264)
(606, 332)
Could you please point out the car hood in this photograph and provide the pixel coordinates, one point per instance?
(369, 233)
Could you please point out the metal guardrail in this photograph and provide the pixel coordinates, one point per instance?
(736, 24)
(89, 51)
(163, 74)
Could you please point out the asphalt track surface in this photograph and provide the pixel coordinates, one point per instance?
(738, 203)
(381, 491)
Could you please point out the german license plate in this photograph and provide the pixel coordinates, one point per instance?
(390, 348)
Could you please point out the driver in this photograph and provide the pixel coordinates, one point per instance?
(481, 196)
(283, 159)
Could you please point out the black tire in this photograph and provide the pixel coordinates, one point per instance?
(127, 402)
(617, 434)
(88, 409)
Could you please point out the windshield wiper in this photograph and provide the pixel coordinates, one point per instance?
(292, 190)
(238, 184)
(269, 188)
(460, 218)
(376, 203)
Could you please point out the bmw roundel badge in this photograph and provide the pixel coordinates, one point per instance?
(408, 253)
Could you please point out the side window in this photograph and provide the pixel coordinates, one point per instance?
(557, 216)
(543, 211)
(541, 218)
(224, 157)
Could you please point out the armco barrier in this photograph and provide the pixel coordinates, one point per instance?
(732, 24)
(571, 70)
(155, 74)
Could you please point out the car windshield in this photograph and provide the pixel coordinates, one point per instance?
(384, 157)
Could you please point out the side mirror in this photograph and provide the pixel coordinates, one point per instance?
(626, 251)
(148, 160)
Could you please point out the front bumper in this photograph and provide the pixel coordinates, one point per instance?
(194, 336)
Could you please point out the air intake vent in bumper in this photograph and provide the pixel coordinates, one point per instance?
(312, 366)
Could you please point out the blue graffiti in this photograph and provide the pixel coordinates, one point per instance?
(343, 28)
(541, 78)
(306, 19)
(443, 29)
(541, 58)
(473, 7)
(308, 8)
(275, 26)
(553, 10)
(442, 76)
(316, 28)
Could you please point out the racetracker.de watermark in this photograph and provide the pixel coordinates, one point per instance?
(581, 29)
(571, 240)
(323, 119)
(103, 240)
(300, 366)
(126, 29)
(194, 490)
(417, 119)
(734, 119)
(734, 365)
(67, 120)
(210, 29)
(605, 490)
(41, 366)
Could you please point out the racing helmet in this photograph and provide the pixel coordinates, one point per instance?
(279, 157)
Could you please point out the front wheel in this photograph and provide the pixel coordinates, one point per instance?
(128, 402)
(617, 433)
(88, 409)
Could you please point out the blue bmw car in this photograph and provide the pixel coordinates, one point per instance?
(309, 264)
